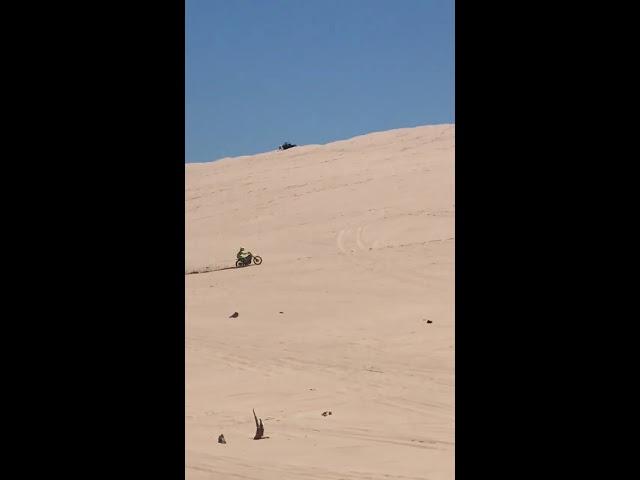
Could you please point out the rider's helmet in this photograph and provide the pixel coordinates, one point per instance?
(242, 249)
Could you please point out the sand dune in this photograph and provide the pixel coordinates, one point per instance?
(357, 239)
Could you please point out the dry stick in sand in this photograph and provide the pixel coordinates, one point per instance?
(259, 428)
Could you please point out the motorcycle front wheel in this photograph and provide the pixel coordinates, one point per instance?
(257, 260)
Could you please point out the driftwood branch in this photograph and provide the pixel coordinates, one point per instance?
(259, 428)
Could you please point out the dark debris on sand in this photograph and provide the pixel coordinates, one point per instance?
(259, 428)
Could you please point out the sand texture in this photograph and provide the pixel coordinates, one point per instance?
(351, 311)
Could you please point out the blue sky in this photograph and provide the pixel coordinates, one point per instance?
(261, 72)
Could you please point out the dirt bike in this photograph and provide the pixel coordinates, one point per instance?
(243, 262)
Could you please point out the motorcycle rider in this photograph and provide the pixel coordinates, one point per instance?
(242, 255)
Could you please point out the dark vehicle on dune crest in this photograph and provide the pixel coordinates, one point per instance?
(286, 145)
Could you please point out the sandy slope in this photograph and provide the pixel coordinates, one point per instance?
(357, 239)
